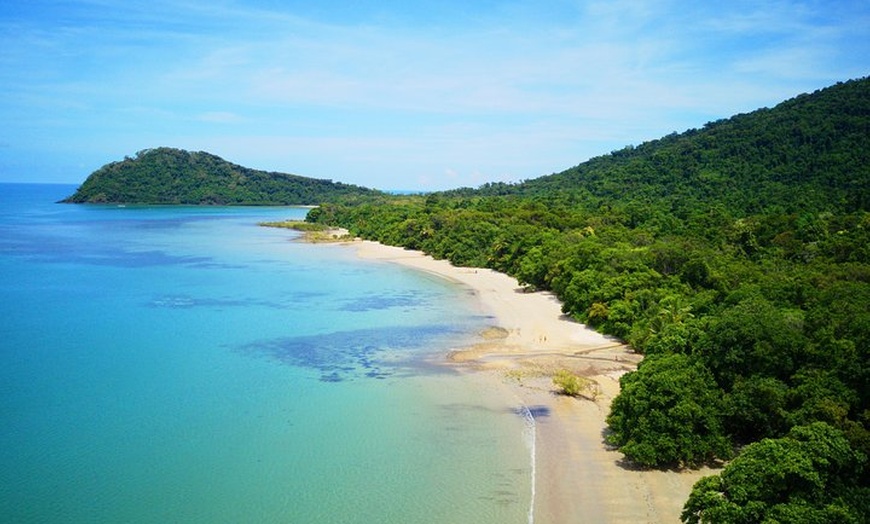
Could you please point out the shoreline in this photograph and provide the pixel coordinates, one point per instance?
(578, 477)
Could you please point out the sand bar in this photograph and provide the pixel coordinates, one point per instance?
(579, 478)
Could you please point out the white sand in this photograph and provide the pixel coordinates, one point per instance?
(579, 479)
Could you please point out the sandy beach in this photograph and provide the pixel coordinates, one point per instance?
(579, 478)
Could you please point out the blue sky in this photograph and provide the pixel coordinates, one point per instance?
(398, 95)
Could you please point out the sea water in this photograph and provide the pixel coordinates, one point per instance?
(182, 364)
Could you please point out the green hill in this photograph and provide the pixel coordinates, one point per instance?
(810, 153)
(174, 176)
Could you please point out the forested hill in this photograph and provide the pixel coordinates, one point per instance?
(737, 259)
(810, 153)
(175, 176)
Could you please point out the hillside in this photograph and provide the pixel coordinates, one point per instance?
(810, 153)
(174, 176)
(736, 257)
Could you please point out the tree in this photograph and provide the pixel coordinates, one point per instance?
(811, 475)
(756, 408)
(753, 336)
(669, 413)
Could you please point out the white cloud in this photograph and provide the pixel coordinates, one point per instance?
(515, 90)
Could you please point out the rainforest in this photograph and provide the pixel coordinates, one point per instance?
(736, 258)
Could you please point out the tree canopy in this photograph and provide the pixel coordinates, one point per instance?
(808, 476)
(669, 412)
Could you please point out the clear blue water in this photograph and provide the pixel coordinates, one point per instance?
(182, 364)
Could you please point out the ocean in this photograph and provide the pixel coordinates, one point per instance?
(182, 364)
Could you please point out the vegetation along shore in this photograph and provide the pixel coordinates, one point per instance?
(736, 259)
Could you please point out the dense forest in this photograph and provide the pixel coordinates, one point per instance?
(736, 258)
(174, 176)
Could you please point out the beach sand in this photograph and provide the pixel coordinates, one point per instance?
(579, 478)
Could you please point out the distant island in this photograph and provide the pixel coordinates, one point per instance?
(167, 175)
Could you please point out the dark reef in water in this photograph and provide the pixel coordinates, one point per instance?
(346, 355)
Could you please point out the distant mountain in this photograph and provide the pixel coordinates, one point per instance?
(174, 176)
(810, 153)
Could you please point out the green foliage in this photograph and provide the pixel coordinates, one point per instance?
(669, 413)
(569, 383)
(757, 407)
(296, 225)
(811, 475)
(753, 334)
(174, 176)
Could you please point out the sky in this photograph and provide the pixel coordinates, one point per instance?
(398, 95)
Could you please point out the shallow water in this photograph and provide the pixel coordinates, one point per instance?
(170, 364)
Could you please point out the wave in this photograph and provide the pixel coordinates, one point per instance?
(530, 434)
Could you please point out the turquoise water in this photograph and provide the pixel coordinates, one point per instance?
(180, 364)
